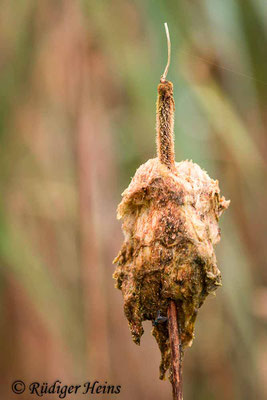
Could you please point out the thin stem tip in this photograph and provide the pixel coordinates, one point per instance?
(163, 77)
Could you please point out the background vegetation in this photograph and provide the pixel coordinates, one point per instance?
(78, 83)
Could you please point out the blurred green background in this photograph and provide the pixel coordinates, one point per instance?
(78, 84)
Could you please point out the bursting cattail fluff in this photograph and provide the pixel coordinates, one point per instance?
(170, 214)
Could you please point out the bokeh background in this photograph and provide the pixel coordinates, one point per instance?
(78, 82)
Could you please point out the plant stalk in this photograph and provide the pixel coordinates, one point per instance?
(165, 152)
(176, 352)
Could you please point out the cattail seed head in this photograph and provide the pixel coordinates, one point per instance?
(170, 215)
(170, 224)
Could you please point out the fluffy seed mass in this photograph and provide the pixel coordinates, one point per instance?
(170, 224)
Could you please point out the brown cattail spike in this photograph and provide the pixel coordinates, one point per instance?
(165, 123)
(167, 264)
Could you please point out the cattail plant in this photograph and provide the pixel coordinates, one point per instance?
(167, 265)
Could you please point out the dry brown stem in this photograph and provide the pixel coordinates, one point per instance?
(176, 352)
(166, 155)
(165, 124)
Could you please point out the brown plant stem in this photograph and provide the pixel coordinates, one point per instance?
(165, 123)
(176, 352)
(165, 152)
